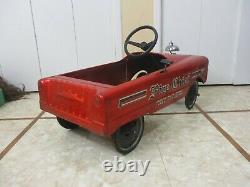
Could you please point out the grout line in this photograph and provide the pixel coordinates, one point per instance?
(162, 159)
(227, 111)
(20, 135)
(48, 118)
(9, 119)
(154, 114)
(172, 113)
(225, 134)
(25, 118)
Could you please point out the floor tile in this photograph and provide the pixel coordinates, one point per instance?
(9, 129)
(49, 155)
(182, 128)
(28, 106)
(46, 114)
(184, 149)
(205, 164)
(91, 165)
(196, 154)
(237, 125)
(217, 98)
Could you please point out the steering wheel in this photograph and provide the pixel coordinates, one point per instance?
(146, 47)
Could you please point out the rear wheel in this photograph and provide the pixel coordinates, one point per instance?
(128, 136)
(66, 124)
(191, 96)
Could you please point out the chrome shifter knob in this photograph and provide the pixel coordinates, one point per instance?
(171, 48)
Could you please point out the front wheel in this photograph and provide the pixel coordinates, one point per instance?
(191, 96)
(66, 124)
(127, 137)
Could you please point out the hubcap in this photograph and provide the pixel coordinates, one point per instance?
(128, 134)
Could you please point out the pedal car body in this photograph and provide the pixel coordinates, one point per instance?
(103, 98)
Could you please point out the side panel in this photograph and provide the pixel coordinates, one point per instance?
(152, 92)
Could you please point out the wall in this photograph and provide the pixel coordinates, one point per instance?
(242, 65)
(41, 38)
(204, 28)
(18, 54)
(1, 71)
(216, 29)
(135, 14)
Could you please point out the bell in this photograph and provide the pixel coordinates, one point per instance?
(172, 48)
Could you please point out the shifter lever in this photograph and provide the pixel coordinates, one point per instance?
(166, 62)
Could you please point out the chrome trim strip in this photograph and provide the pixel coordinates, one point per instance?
(132, 98)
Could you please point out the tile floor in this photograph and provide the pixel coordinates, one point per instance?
(185, 149)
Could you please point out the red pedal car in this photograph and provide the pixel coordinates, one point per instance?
(111, 99)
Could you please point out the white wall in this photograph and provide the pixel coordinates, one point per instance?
(18, 54)
(95, 31)
(40, 38)
(242, 65)
(1, 71)
(54, 28)
(181, 18)
(210, 28)
(218, 38)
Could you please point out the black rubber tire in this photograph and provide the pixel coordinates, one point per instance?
(66, 124)
(191, 96)
(128, 136)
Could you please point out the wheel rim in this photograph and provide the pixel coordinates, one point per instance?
(129, 134)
